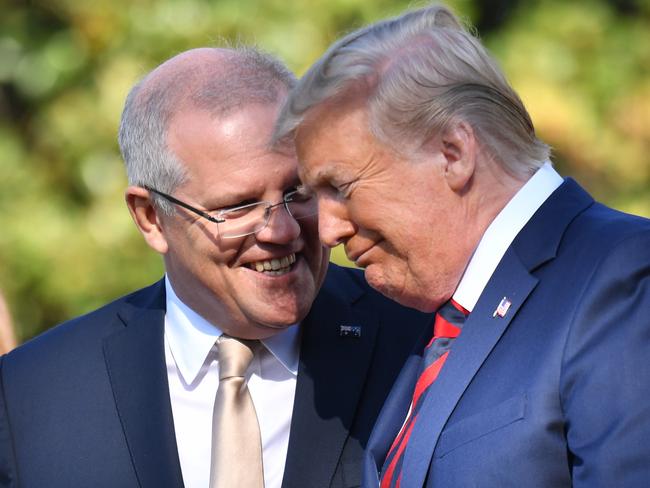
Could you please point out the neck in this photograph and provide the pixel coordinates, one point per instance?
(487, 193)
(492, 188)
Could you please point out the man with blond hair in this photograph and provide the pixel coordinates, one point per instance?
(426, 166)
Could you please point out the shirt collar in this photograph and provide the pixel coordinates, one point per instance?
(285, 346)
(502, 231)
(191, 337)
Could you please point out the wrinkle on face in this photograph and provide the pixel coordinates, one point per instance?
(210, 273)
(399, 206)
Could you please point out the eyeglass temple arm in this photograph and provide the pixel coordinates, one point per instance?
(185, 205)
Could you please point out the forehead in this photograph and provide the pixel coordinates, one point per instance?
(333, 138)
(232, 150)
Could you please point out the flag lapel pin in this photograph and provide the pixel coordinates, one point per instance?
(350, 331)
(502, 308)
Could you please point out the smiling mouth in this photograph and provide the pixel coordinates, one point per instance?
(275, 266)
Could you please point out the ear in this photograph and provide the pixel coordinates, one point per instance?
(459, 149)
(145, 215)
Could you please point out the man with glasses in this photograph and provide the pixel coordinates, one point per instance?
(204, 379)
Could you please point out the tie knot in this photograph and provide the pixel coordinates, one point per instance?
(234, 356)
(449, 320)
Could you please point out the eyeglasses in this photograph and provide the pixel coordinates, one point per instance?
(249, 219)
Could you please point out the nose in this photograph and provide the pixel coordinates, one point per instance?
(334, 224)
(282, 228)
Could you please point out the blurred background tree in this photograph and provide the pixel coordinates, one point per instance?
(67, 244)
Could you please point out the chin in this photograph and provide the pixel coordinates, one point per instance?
(404, 297)
(275, 326)
(375, 278)
(264, 330)
(423, 304)
(283, 318)
(378, 281)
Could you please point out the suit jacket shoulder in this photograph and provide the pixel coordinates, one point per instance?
(70, 400)
(69, 341)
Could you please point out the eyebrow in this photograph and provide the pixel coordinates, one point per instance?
(319, 177)
(233, 197)
(226, 199)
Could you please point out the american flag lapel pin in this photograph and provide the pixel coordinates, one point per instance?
(503, 307)
(350, 331)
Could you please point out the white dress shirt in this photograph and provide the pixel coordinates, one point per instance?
(502, 231)
(193, 374)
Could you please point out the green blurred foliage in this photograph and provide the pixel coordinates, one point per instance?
(67, 244)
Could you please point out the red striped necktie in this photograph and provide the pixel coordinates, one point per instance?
(449, 321)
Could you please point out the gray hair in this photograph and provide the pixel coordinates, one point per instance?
(219, 80)
(420, 72)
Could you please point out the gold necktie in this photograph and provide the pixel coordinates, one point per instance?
(236, 440)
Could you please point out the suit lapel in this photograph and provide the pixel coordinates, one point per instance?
(135, 361)
(536, 244)
(481, 332)
(331, 377)
(393, 413)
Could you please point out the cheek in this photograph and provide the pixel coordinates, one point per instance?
(309, 233)
(316, 253)
(382, 211)
(225, 252)
(324, 262)
(309, 228)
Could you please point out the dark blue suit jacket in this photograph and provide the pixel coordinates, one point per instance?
(557, 392)
(87, 403)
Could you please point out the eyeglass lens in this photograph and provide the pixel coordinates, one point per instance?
(253, 218)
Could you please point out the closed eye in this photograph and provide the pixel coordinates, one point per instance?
(345, 189)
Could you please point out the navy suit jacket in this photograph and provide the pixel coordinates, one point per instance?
(557, 392)
(87, 403)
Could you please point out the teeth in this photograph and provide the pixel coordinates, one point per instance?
(275, 266)
(277, 273)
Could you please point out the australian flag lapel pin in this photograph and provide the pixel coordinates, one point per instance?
(503, 307)
(353, 331)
